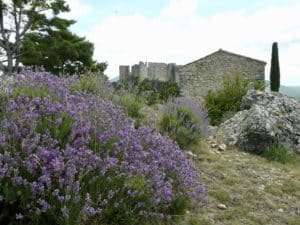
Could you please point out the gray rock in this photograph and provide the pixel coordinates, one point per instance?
(213, 145)
(222, 206)
(192, 154)
(222, 147)
(280, 210)
(266, 119)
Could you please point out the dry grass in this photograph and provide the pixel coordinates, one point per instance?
(255, 190)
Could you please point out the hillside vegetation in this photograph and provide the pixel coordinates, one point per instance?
(77, 150)
(253, 189)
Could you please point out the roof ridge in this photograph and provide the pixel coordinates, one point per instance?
(231, 53)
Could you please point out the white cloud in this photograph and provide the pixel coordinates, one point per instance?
(183, 36)
(77, 9)
(180, 8)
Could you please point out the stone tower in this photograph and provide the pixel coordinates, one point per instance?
(124, 73)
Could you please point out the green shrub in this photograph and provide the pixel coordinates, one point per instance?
(132, 107)
(168, 89)
(259, 85)
(160, 91)
(154, 91)
(178, 126)
(85, 84)
(184, 121)
(277, 153)
(3, 104)
(226, 99)
(92, 83)
(130, 85)
(33, 92)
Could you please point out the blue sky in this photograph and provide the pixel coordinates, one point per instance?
(127, 31)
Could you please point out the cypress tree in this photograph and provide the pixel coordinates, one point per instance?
(275, 70)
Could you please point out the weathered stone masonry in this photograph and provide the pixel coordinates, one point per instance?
(151, 70)
(204, 74)
(207, 73)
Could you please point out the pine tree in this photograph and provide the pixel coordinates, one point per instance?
(20, 17)
(275, 70)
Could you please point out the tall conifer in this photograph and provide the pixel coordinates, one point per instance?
(275, 70)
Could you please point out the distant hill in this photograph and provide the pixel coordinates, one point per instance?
(293, 91)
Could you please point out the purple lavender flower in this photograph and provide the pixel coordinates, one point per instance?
(65, 212)
(19, 216)
(58, 145)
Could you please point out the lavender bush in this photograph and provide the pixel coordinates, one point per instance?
(185, 120)
(73, 158)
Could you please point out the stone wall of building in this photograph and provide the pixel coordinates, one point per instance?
(151, 70)
(124, 73)
(198, 77)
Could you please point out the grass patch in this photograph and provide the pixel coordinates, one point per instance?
(252, 187)
(221, 195)
(231, 180)
(291, 186)
(274, 190)
(234, 214)
(292, 221)
(277, 153)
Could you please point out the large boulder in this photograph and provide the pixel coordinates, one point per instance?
(266, 119)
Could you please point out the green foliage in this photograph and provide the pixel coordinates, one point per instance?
(277, 153)
(158, 91)
(227, 99)
(179, 206)
(93, 83)
(25, 17)
(32, 93)
(58, 51)
(153, 91)
(259, 85)
(275, 70)
(130, 85)
(180, 124)
(85, 84)
(132, 107)
(3, 104)
(98, 67)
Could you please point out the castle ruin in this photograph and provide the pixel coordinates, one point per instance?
(151, 70)
(197, 78)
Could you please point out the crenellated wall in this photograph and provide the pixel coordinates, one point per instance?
(151, 70)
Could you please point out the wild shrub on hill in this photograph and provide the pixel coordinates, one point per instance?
(132, 106)
(153, 91)
(92, 83)
(73, 158)
(158, 91)
(277, 153)
(227, 99)
(185, 121)
(259, 85)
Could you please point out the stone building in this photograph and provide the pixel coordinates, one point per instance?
(196, 78)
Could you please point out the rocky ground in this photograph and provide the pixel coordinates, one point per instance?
(246, 189)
